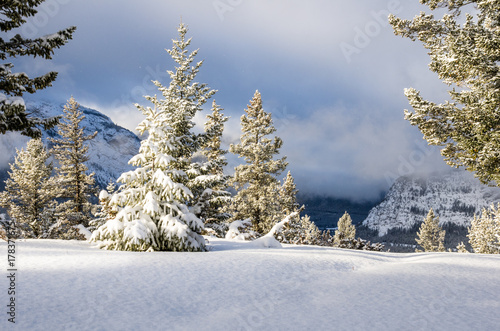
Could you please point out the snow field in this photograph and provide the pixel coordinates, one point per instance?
(72, 285)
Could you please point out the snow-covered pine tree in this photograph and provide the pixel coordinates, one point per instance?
(299, 230)
(211, 193)
(288, 196)
(75, 185)
(13, 85)
(484, 232)
(191, 97)
(153, 201)
(465, 56)
(346, 231)
(257, 197)
(29, 190)
(430, 235)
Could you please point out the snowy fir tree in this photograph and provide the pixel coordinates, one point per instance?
(298, 230)
(288, 196)
(464, 52)
(345, 230)
(255, 180)
(484, 232)
(153, 201)
(211, 194)
(430, 235)
(71, 151)
(13, 115)
(29, 190)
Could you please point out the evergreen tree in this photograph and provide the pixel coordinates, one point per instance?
(345, 230)
(288, 196)
(467, 57)
(190, 97)
(430, 235)
(300, 231)
(484, 232)
(153, 201)
(13, 115)
(257, 197)
(75, 185)
(29, 190)
(211, 193)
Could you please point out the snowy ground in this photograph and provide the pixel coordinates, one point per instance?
(70, 285)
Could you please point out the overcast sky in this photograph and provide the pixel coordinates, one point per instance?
(331, 72)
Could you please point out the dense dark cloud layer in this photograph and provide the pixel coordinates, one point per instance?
(331, 72)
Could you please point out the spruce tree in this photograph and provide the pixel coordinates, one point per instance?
(466, 56)
(430, 235)
(190, 97)
(299, 230)
(29, 191)
(288, 196)
(346, 231)
(484, 232)
(13, 115)
(211, 194)
(71, 151)
(153, 201)
(255, 180)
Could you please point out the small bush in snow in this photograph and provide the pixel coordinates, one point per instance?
(359, 244)
(241, 230)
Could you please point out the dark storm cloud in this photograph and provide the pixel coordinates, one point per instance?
(332, 73)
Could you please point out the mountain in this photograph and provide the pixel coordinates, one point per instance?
(109, 151)
(455, 196)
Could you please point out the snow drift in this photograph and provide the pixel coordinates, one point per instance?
(72, 285)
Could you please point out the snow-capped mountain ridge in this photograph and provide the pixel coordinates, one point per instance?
(455, 197)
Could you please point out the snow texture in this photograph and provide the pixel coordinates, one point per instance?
(72, 285)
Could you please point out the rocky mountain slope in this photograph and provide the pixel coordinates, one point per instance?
(455, 196)
(109, 151)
